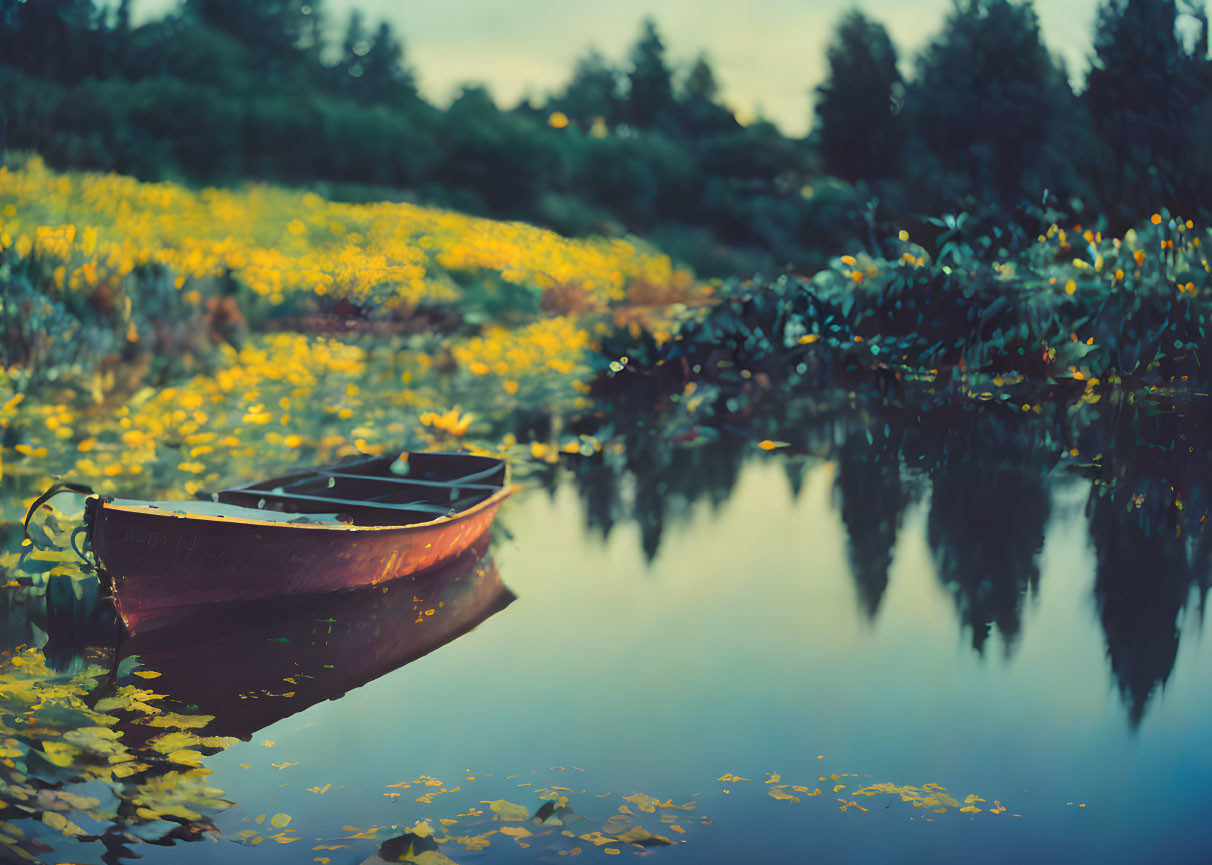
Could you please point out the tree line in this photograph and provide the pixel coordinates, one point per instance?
(220, 91)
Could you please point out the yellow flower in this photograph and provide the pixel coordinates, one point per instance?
(451, 422)
(133, 438)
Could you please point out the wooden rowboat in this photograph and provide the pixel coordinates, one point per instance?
(323, 529)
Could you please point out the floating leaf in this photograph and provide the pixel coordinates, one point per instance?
(597, 839)
(645, 803)
(61, 824)
(507, 810)
(641, 836)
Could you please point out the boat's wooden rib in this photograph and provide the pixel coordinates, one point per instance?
(416, 507)
(457, 484)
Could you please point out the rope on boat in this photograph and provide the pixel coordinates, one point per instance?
(54, 490)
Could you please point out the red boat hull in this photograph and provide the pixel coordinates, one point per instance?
(162, 563)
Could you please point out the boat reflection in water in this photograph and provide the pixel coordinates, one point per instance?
(251, 665)
(254, 663)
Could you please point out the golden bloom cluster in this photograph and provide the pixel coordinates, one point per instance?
(280, 398)
(93, 229)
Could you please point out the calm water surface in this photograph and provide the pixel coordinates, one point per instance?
(746, 647)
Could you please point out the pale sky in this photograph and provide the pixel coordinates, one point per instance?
(767, 54)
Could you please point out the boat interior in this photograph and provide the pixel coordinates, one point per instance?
(396, 490)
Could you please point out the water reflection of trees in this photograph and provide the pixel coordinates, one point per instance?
(991, 471)
(1147, 524)
(871, 497)
(988, 509)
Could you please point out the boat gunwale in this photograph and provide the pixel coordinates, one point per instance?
(150, 509)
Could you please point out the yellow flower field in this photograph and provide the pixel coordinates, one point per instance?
(97, 228)
(262, 401)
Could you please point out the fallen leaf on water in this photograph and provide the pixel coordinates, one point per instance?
(647, 804)
(597, 839)
(641, 836)
(517, 833)
(507, 810)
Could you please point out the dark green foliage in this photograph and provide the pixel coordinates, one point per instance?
(274, 26)
(858, 106)
(699, 108)
(989, 107)
(62, 40)
(650, 103)
(498, 155)
(385, 79)
(594, 92)
(1148, 95)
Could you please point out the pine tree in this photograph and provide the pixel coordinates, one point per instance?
(354, 46)
(700, 82)
(700, 111)
(857, 122)
(650, 102)
(1143, 92)
(274, 26)
(991, 107)
(56, 39)
(385, 78)
(593, 92)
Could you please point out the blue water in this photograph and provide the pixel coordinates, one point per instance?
(744, 648)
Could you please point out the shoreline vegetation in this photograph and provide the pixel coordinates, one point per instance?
(228, 332)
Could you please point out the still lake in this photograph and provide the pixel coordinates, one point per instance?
(744, 648)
